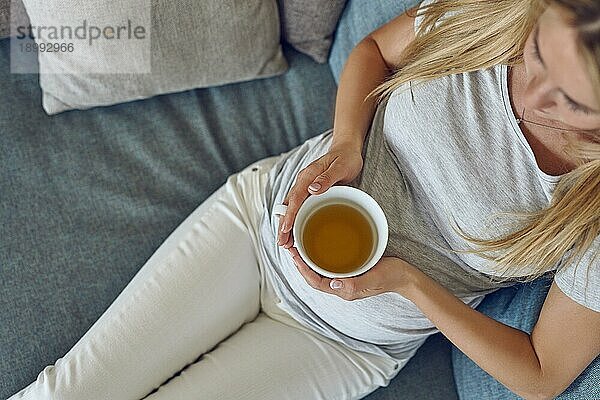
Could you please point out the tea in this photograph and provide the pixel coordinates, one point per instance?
(339, 237)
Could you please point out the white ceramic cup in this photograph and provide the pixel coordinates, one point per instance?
(336, 195)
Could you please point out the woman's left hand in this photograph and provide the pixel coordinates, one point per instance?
(390, 274)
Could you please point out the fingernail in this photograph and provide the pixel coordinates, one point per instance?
(315, 186)
(335, 284)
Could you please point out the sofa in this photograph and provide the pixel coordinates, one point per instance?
(87, 196)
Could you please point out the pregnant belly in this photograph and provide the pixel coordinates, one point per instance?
(382, 319)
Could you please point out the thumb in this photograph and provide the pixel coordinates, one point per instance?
(323, 181)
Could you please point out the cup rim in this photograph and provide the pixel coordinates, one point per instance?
(374, 211)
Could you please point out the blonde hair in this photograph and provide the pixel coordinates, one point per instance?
(478, 34)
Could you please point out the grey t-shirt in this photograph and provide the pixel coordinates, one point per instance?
(451, 150)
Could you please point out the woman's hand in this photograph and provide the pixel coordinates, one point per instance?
(390, 274)
(339, 164)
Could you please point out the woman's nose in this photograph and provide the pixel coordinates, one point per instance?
(538, 95)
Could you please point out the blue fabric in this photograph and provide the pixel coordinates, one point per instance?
(361, 17)
(517, 306)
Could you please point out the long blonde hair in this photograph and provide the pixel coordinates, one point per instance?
(478, 34)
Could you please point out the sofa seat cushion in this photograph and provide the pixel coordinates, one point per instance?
(88, 196)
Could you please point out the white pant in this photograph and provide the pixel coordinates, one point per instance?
(202, 305)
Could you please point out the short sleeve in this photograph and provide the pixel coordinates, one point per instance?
(581, 282)
(419, 18)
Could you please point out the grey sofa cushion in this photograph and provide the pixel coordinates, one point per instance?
(187, 45)
(88, 196)
(361, 17)
(308, 25)
(11, 11)
(427, 376)
(4, 18)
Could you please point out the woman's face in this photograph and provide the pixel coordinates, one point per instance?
(558, 85)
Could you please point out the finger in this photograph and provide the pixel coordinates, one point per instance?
(281, 236)
(348, 290)
(294, 252)
(311, 277)
(287, 239)
(325, 179)
(298, 193)
(290, 241)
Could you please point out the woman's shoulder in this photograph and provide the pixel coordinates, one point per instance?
(476, 91)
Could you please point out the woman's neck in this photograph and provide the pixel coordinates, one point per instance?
(548, 145)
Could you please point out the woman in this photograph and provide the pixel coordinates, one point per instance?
(461, 156)
(245, 318)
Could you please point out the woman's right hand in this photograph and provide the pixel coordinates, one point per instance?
(339, 164)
